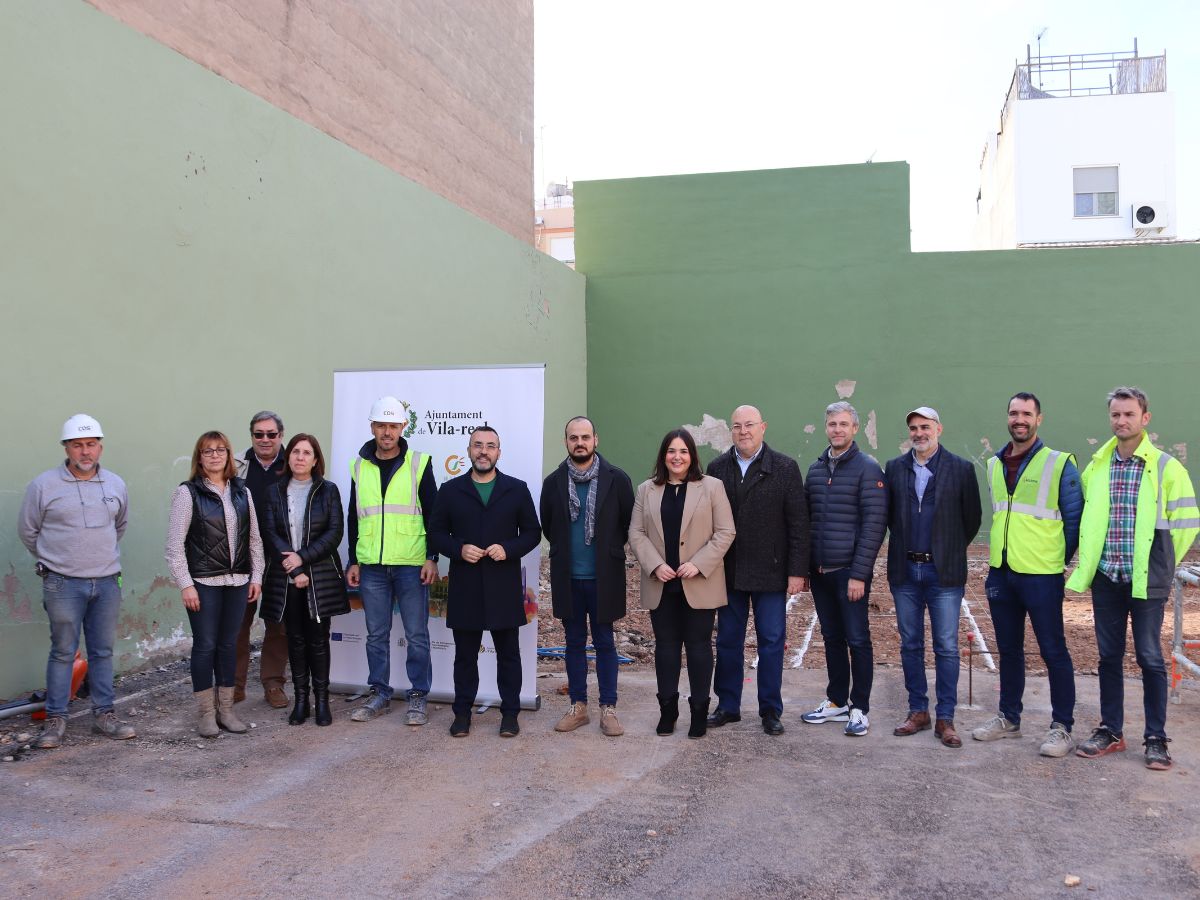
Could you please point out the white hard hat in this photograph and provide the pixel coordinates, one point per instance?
(79, 426)
(388, 409)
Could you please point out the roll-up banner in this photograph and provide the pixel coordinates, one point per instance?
(443, 407)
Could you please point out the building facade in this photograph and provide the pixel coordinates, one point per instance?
(1085, 155)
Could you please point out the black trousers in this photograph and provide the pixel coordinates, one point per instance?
(676, 626)
(308, 642)
(466, 669)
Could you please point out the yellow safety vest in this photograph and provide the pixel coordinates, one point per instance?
(1166, 505)
(391, 529)
(1027, 527)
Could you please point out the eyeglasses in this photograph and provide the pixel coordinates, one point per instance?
(259, 435)
(213, 451)
(749, 426)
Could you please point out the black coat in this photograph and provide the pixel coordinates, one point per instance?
(486, 595)
(847, 511)
(323, 524)
(772, 540)
(956, 516)
(614, 506)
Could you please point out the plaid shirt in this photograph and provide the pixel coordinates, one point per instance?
(1124, 481)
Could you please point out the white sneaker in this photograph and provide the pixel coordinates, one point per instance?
(858, 724)
(995, 728)
(827, 712)
(1058, 742)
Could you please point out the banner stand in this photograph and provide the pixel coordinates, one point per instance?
(444, 406)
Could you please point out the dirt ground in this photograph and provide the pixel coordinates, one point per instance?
(381, 810)
(635, 637)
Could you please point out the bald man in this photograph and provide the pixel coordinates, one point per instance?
(767, 562)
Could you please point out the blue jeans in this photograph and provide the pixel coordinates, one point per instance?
(92, 604)
(770, 623)
(215, 629)
(1012, 596)
(921, 591)
(583, 599)
(846, 631)
(379, 586)
(1113, 605)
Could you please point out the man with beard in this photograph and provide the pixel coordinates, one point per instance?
(485, 521)
(1036, 506)
(1139, 519)
(933, 514)
(391, 499)
(586, 504)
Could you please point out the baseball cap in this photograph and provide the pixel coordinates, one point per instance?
(927, 412)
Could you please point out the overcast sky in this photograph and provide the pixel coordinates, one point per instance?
(627, 88)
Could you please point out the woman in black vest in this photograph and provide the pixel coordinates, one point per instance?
(216, 557)
(304, 584)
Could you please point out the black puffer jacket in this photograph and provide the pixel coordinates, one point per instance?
(323, 524)
(847, 511)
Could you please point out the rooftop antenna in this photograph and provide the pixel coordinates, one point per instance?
(1039, 40)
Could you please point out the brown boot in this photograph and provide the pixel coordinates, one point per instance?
(573, 718)
(945, 731)
(207, 725)
(226, 717)
(916, 721)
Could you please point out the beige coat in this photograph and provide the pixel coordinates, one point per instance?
(705, 533)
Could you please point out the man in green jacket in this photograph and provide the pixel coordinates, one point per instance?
(1139, 519)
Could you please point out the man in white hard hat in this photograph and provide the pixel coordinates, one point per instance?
(71, 520)
(391, 498)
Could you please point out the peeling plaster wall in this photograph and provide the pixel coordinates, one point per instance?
(440, 92)
(178, 253)
(793, 288)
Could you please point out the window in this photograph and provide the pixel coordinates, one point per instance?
(563, 249)
(1096, 191)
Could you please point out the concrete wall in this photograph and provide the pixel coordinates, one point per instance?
(178, 253)
(1135, 132)
(440, 92)
(793, 288)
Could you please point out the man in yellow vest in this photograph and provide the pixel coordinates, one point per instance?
(1036, 506)
(391, 498)
(1139, 519)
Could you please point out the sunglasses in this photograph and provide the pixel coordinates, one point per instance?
(259, 435)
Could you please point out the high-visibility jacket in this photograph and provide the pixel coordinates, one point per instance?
(391, 529)
(1027, 525)
(1167, 520)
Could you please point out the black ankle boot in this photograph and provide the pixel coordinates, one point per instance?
(669, 709)
(321, 713)
(300, 711)
(699, 717)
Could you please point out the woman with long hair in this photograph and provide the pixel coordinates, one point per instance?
(215, 555)
(304, 585)
(682, 525)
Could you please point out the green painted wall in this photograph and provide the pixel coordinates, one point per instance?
(706, 291)
(175, 254)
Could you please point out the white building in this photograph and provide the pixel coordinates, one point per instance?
(1085, 154)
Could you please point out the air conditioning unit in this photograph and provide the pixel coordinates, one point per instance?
(1150, 217)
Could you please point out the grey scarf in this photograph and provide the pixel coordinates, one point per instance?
(587, 476)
